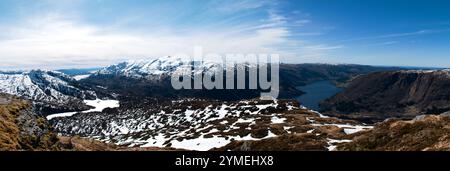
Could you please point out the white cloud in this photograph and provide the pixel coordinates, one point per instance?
(57, 41)
(52, 40)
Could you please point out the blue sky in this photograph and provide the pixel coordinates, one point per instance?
(88, 33)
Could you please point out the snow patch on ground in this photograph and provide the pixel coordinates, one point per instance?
(348, 129)
(200, 143)
(277, 120)
(99, 105)
(332, 143)
(204, 144)
(81, 77)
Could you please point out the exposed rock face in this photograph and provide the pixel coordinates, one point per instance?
(401, 94)
(425, 133)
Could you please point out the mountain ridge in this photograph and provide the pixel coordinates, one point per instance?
(49, 91)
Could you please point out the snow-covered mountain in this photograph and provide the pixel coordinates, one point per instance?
(141, 68)
(158, 67)
(49, 88)
(152, 78)
(41, 85)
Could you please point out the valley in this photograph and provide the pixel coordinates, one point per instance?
(317, 92)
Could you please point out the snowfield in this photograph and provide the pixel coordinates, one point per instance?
(205, 144)
(98, 105)
(81, 77)
(348, 129)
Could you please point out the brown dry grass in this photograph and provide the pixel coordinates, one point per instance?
(9, 130)
(432, 133)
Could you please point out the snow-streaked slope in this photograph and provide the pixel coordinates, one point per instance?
(41, 85)
(142, 68)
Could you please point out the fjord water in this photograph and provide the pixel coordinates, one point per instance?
(317, 92)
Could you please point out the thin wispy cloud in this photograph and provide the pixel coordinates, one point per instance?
(397, 35)
(384, 43)
(324, 47)
(420, 32)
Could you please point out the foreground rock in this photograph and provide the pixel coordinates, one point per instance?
(286, 142)
(425, 133)
(77, 143)
(21, 129)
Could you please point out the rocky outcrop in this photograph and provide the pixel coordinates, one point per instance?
(402, 94)
(425, 133)
(21, 129)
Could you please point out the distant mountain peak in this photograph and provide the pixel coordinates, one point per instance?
(160, 66)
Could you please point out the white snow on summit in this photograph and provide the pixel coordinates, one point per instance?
(41, 85)
(160, 66)
(142, 68)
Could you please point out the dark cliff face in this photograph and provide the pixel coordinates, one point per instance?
(402, 94)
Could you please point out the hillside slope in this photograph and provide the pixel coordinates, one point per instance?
(401, 94)
(20, 129)
(23, 130)
(425, 133)
(49, 91)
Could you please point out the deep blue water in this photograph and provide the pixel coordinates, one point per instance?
(317, 92)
